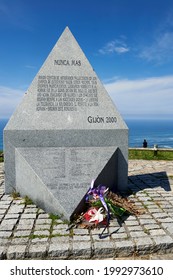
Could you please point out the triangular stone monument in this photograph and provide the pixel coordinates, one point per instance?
(65, 132)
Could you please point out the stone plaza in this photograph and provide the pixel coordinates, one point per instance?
(28, 232)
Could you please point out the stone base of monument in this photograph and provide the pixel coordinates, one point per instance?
(56, 179)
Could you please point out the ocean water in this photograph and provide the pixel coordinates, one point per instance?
(156, 132)
(159, 132)
(3, 123)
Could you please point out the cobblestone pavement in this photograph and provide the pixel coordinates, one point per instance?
(27, 232)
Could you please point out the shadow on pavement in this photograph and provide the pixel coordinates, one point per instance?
(150, 180)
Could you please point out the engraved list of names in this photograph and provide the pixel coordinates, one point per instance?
(66, 93)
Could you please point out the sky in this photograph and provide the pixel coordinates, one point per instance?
(129, 43)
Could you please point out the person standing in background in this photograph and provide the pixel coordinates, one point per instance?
(145, 144)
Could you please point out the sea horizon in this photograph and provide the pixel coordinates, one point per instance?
(155, 131)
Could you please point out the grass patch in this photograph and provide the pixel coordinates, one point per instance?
(33, 236)
(27, 200)
(54, 217)
(15, 195)
(59, 235)
(149, 154)
(1, 156)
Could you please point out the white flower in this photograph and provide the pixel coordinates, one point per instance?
(97, 216)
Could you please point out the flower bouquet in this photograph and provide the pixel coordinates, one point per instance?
(103, 205)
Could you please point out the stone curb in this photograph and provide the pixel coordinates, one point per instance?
(27, 232)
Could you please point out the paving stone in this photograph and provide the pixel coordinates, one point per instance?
(98, 231)
(43, 221)
(28, 216)
(157, 232)
(20, 233)
(5, 234)
(124, 248)
(2, 252)
(60, 226)
(160, 215)
(41, 232)
(135, 228)
(162, 244)
(60, 230)
(31, 206)
(41, 211)
(25, 224)
(119, 236)
(39, 240)
(16, 209)
(4, 205)
(116, 230)
(16, 252)
(132, 218)
(43, 216)
(6, 197)
(105, 237)
(81, 237)
(151, 226)
(42, 227)
(6, 227)
(131, 223)
(104, 249)
(82, 250)
(145, 216)
(168, 227)
(81, 231)
(1, 217)
(2, 211)
(144, 245)
(60, 239)
(20, 241)
(167, 256)
(4, 241)
(166, 220)
(30, 210)
(138, 234)
(11, 216)
(155, 210)
(59, 250)
(37, 251)
(5, 202)
(147, 221)
(8, 222)
(114, 223)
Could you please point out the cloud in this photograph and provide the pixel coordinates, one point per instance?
(145, 97)
(116, 46)
(161, 50)
(9, 99)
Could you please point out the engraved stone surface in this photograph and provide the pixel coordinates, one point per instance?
(66, 173)
(62, 128)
